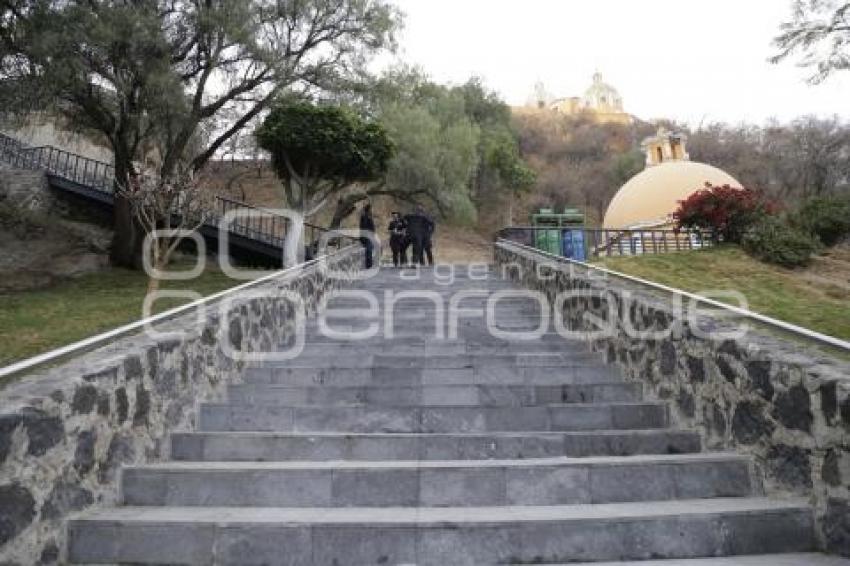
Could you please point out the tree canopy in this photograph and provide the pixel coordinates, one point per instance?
(456, 148)
(180, 77)
(319, 150)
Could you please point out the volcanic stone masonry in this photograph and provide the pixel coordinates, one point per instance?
(786, 404)
(65, 433)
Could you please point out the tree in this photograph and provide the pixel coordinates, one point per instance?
(180, 76)
(456, 145)
(827, 218)
(738, 149)
(319, 150)
(435, 144)
(809, 156)
(820, 31)
(579, 161)
(790, 162)
(172, 206)
(502, 170)
(437, 155)
(727, 212)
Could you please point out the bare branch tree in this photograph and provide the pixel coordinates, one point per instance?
(168, 208)
(820, 31)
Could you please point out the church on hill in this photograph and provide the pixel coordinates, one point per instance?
(601, 101)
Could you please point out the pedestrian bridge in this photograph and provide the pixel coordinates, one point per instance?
(254, 235)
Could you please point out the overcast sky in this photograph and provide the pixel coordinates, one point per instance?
(689, 60)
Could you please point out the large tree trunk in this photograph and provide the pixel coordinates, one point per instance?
(127, 238)
(126, 245)
(345, 207)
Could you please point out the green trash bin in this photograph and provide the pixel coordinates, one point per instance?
(548, 241)
(549, 226)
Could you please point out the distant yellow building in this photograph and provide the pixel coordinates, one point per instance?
(600, 100)
(649, 198)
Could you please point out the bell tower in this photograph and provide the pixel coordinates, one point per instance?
(665, 147)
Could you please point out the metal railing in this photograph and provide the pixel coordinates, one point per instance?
(83, 170)
(262, 225)
(580, 242)
(270, 227)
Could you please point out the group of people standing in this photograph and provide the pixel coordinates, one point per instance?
(412, 230)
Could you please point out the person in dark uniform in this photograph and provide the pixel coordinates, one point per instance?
(398, 237)
(406, 242)
(420, 228)
(367, 224)
(429, 235)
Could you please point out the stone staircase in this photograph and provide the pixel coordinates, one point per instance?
(418, 450)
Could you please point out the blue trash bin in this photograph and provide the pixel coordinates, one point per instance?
(573, 245)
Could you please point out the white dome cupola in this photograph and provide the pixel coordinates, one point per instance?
(602, 97)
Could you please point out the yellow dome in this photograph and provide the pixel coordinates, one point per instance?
(651, 196)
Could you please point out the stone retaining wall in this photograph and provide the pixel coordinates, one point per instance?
(65, 433)
(26, 190)
(779, 400)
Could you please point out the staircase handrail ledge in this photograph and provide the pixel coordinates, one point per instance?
(807, 333)
(88, 344)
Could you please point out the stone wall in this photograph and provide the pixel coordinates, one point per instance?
(65, 433)
(25, 189)
(781, 401)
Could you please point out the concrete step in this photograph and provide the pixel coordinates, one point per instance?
(417, 320)
(463, 483)
(441, 536)
(417, 316)
(465, 300)
(578, 373)
(466, 327)
(470, 329)
(445, 348)
(612, 416)
(443, 395)
(791, 559)
(414, 291)
(269, 446)
(455, 299)
(469, 311)
(346, 360)
(427, 339)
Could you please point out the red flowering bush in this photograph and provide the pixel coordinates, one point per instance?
(727, 212)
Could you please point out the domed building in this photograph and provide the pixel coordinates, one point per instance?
(601, 101)
(649, 198)
(602, 97)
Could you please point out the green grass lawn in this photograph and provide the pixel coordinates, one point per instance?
(33, 322)
(800, 297)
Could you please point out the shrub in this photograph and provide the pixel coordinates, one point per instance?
(774, 241)
(827, 218)
(725, 211)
